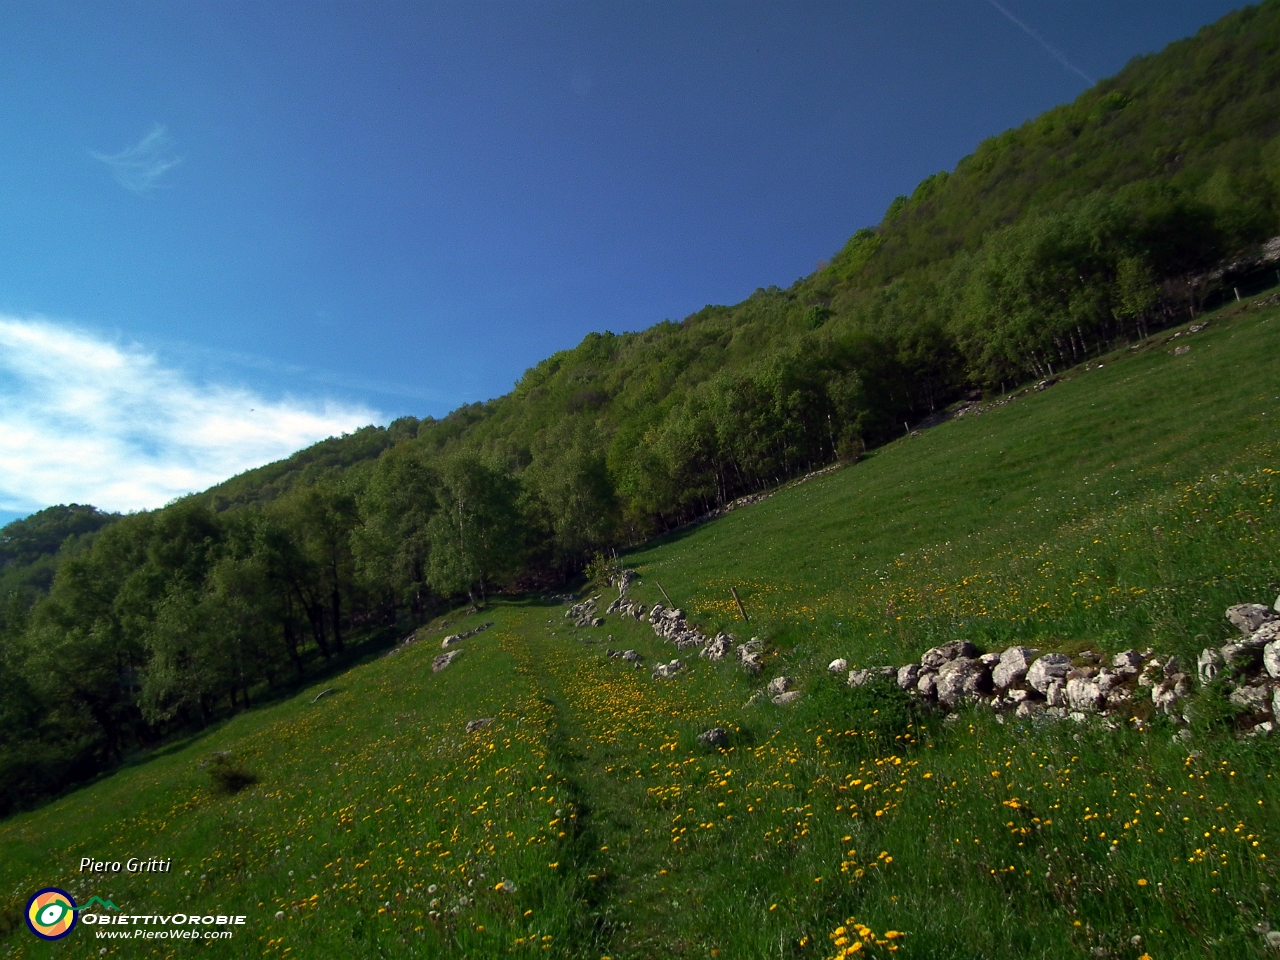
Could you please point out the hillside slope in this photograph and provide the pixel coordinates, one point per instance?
(1126, 505)
(1138, 207)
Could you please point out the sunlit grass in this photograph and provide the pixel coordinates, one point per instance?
(1125, 507)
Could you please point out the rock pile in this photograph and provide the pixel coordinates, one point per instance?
(1249, 665)
(671, 625)
(584, 614)
(1019, 681)
(665, 671)
(1027, 683)
(628, 655)
(626, 608)
(453, 638)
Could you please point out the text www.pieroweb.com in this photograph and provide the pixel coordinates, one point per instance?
(165, 934)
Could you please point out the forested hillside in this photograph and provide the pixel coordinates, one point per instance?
(1148, 199)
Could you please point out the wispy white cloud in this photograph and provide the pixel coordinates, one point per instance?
(88, 421)
(140, 167)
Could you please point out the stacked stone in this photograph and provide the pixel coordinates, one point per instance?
(453, 638)
(671, 625)
(1249, 665)
(1017, 680)
(626, 608)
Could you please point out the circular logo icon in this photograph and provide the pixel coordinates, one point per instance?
(51, 913)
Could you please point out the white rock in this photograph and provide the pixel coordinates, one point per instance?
(1130, 659)
(839, 665)
(1012, 668)
(964, 678)
(1248, 617)
(989, 660)
(1084, 696)
(1116, 697)
(934, 658)
(1166, 693)
(1269, 632)
(927, 683)
(790, 696)
(1256, 698)
(778, 685)
(908, 675)
(1055, 695)
(717, 648)
(1050, 667)
(1209, 663)
(1107, 681)
(1271, 658)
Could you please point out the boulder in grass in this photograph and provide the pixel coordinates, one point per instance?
(715, 737)
(839, 665)
(1045, 670)
(717, 647)
(787, 698)
(1248, 617)
(474, 725)
(778, 685)
(665, 671)
(444, 659)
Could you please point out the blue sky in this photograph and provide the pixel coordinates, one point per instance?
(264, 223)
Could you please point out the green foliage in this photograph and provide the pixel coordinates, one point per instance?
(601, 570)
(475, 529)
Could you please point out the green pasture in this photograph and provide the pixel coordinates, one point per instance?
(1124, 506)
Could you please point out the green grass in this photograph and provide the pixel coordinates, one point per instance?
(1125, 506)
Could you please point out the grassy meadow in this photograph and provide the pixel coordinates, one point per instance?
(1125, 506)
